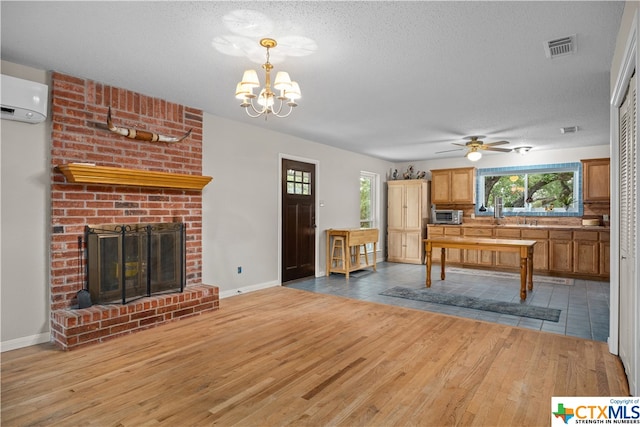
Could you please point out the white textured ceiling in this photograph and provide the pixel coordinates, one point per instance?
(395, 80)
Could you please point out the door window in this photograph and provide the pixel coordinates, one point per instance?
(298, 182)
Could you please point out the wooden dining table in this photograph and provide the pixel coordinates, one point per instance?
(523, 247)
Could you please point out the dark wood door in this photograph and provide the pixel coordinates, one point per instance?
(298, 220)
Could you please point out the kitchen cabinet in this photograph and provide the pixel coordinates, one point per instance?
(405, 247)
(595, 180)
(581, 252)
(453, 186)
(453, 255)
(586, 252)
(407, 217)
(478, 257)
(541, 249)
(560, 251)
(435, 231)
(605, 252)
(508, 259)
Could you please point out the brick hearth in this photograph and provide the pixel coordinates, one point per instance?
(79, 135)
(73, 328)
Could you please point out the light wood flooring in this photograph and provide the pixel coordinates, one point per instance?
(282, 356)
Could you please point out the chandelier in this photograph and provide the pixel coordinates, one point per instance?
(267, 101)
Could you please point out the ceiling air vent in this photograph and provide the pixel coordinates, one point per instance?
(560, 47)
(569, 129)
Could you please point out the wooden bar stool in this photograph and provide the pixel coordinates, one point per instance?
(365, 254)
(338, 253)
(357, 253)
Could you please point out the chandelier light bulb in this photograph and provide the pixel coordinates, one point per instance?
(265, 99)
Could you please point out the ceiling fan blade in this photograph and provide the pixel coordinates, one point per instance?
(497, 143)
(502, 150)
(447, 151)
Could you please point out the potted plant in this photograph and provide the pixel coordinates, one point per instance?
(566, 200)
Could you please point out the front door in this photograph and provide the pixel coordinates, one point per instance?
(298, 220)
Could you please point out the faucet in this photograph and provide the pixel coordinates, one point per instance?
(524, 218)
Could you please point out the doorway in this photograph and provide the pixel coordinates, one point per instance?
(298, 191)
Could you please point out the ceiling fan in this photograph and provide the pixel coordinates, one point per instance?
(474, 146)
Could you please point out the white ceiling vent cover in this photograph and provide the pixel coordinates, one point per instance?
(569, 129)
(23, 100)
(560, 47)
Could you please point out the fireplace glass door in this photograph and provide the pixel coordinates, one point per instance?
(127, 262)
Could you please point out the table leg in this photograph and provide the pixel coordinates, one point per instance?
(523, 277)
(428, 249)
(443, 260)
(375, 251)
(328, 268)
(530, 268)
(347, 266)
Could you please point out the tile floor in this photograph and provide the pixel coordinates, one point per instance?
(584, 303)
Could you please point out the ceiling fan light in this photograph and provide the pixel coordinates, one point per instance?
(474, 155)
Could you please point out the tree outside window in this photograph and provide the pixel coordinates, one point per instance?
(368, 202)
(544, 189)
(367, 199)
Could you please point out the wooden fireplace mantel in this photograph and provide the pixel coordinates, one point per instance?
(86, 173)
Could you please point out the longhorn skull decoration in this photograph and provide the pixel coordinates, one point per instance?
(143, 135)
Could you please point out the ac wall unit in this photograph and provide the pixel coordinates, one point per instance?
(23, 100)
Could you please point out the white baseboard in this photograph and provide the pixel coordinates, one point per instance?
(245, 289)
(25, 341)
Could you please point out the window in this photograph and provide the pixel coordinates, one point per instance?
(540, 190)
(368, 202)
(298, 182)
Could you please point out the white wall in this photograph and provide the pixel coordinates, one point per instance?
(241, 206)
(25, 218)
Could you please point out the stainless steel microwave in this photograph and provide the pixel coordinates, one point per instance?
(447, 216)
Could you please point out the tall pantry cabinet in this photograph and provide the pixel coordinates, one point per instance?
(407, 218)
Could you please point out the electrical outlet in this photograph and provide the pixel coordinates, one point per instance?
(239, 270)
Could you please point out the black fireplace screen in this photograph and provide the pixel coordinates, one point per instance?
(127, 262)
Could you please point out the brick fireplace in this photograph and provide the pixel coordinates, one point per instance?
(99, 177)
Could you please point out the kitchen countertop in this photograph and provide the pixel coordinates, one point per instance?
(527, 226)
